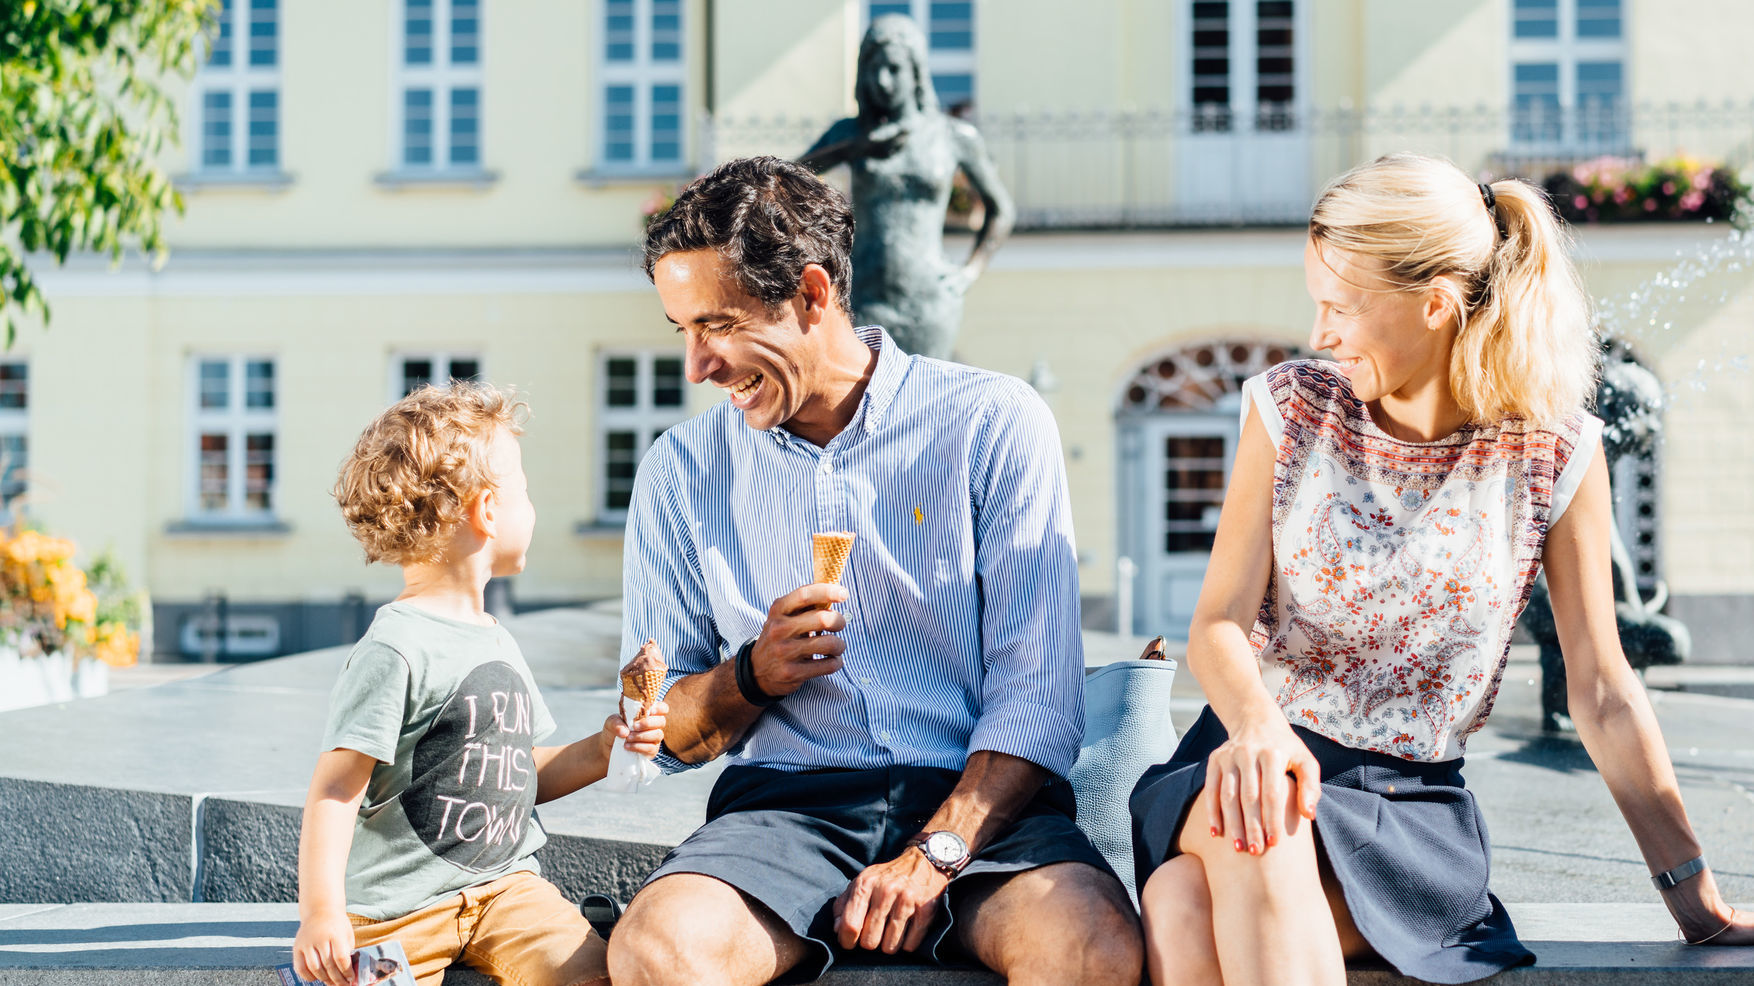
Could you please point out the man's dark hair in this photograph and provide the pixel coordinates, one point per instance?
(767, 218)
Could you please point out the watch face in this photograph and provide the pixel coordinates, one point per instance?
(945, 847)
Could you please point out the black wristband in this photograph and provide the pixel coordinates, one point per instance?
(746, 683)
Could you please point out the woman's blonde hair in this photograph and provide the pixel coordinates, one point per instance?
(1524, 345)
(411, 476)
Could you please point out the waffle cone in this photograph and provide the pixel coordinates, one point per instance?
(830, 550)
(644, 676)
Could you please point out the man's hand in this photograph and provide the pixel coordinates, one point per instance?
(890, 905)
(323, 950)
(800, 626)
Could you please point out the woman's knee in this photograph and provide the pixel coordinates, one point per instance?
(1295, 846)
(1176, 897)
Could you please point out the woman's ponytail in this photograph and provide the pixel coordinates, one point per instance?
(1526, 348)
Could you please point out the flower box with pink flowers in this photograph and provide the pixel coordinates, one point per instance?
(1611, 189)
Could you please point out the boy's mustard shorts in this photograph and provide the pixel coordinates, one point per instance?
(518, 930)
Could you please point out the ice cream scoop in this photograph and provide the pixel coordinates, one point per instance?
(644, 676)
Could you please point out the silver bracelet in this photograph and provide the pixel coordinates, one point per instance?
(1727, 926)
(1669, 878)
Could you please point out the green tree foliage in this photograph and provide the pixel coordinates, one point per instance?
(83, 119)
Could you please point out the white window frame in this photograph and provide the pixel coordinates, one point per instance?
(1565, 51)
(938, 60)
(15, 423)
(642, 74)
(239, 79)
(1243, 79)
(237, 421)
(644, 419)
(437, 356)
(439, 77)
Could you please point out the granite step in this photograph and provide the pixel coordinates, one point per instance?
(239, 944)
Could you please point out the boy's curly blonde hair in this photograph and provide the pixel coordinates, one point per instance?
(414, 471)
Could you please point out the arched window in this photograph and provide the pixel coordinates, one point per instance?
(1197, 377)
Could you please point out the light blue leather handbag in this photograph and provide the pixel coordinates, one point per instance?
(1126, 729)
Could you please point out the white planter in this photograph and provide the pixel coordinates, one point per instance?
(28, 681)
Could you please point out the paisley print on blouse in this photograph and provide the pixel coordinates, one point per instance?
(1399, 568)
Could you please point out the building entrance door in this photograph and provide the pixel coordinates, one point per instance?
(1244, 147)
(1188, 459)
(1177, 423)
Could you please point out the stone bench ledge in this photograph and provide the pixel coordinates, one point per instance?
(239, 944)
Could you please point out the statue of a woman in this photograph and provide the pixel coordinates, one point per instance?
(904, 154)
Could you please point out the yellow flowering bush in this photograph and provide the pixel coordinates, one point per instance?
(46, 604)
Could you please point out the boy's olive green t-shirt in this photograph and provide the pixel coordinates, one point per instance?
(450, 712)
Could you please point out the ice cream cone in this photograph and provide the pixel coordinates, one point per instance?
(830, 550)
(644, 676)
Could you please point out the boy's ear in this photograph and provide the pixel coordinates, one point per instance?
(481, 513)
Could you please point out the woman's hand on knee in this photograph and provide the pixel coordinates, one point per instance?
(1250, 786)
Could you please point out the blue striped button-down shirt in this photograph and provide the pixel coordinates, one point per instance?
(962, 626)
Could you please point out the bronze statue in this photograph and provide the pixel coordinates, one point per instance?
(904, 153)
(1629, 401)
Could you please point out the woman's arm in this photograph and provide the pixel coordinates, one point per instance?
(1613, 714)
(1246, 783)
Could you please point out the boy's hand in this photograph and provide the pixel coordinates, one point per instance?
(323, 950)
(643, 738)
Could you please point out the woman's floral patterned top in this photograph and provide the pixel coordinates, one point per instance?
(1399, 568)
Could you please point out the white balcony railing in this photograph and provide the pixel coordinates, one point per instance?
(1151, 168)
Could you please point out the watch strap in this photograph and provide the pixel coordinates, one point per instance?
(1669, 878)
(948, 869)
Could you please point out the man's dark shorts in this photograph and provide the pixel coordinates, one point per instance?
(793, 841)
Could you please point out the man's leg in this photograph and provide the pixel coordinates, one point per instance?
(691, 930)
(1056, 924)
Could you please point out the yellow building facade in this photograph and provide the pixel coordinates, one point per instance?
(382, 192)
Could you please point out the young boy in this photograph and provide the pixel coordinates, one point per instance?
(419, 826)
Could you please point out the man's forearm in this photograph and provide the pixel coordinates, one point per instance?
(993, 789)
(707, 715)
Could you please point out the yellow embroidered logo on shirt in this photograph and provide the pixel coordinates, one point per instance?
(919, 516)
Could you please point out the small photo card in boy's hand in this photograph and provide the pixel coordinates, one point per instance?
(290, 978)
(383, 964)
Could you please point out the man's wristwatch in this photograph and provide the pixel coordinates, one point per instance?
(944, 850)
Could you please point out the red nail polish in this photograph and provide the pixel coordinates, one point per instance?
(1239, 845)
(1254, 850)
(1214, 831)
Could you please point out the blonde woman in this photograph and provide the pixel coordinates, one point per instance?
(1386, 517)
